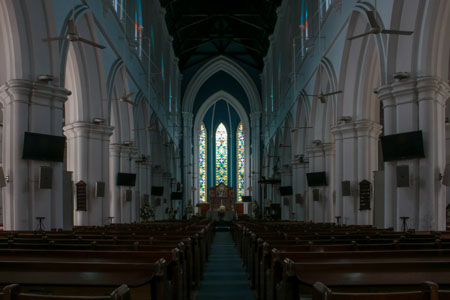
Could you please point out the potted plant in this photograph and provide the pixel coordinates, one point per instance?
(147, 212)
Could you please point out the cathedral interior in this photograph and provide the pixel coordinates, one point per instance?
(255, 114)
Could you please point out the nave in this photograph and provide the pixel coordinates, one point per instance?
(224, 276)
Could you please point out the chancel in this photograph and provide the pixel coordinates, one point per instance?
(199, 149)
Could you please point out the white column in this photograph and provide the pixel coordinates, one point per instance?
(321, 158)
(144, 183)
(157, 180)
(356, 160)
(255, 158)
(127, 165)
(114, 168)
(35, 107)
(88, 160)
(299, 187)
(367, 133)
(409, 105)
(389, 110)
(286, 180)
(188, 161)
(432, 94)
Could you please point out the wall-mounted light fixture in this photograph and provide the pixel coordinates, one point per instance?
(45, 78)
(98, 121)
(345, 119)
(400, 75)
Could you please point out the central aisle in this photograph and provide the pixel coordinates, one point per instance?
(224, 277)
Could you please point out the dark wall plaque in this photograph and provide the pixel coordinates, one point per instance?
(81, 195)
(298, 198)
(316, 194)
(364, 195)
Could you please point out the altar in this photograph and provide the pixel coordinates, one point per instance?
(221, 204)
(221, 195)
(216, 215)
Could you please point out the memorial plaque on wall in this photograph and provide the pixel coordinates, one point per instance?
(298, 198)
(364, 195)
(316, 194)
(81, 187)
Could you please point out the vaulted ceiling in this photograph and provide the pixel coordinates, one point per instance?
(238, 29)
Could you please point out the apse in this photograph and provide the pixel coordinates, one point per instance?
(221, 145)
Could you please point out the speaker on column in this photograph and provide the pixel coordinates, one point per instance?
(45, 177)
(128, 195)
(156, 202)
(403, 176)
(316, 195)
(298, 199)
(446, 176)
(346, 188)
(2, 178)
(100, 189)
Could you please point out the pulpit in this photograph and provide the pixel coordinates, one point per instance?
(221, 195)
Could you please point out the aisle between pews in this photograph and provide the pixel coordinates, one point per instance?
(224, 277)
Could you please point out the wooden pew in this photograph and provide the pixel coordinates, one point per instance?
(113, 247)
(175, 269)
(429, 291)
(143, 279)
(13, 292)
(273, 276)
(251, 236)
(376, 275)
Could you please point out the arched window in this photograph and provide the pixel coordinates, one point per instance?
(118, 7)
(138, 28)
(327, 4)
(240, 161)
(221, 154)
(202, 163)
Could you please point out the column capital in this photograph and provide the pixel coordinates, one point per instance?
(323, 148)
(432, 88)
(356, 128)
(414, 89)
(400, 92)
(123, 150)
(32, 92)
(296, 164)
(88, 130)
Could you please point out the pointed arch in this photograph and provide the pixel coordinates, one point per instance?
(230, 67)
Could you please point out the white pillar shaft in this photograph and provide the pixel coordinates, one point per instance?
(114, 163)
(23, 103)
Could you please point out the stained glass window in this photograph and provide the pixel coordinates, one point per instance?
(240, 161)
(304, 20)
(202, 163)
(138, 28)
(118, 7)
(221, 154)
